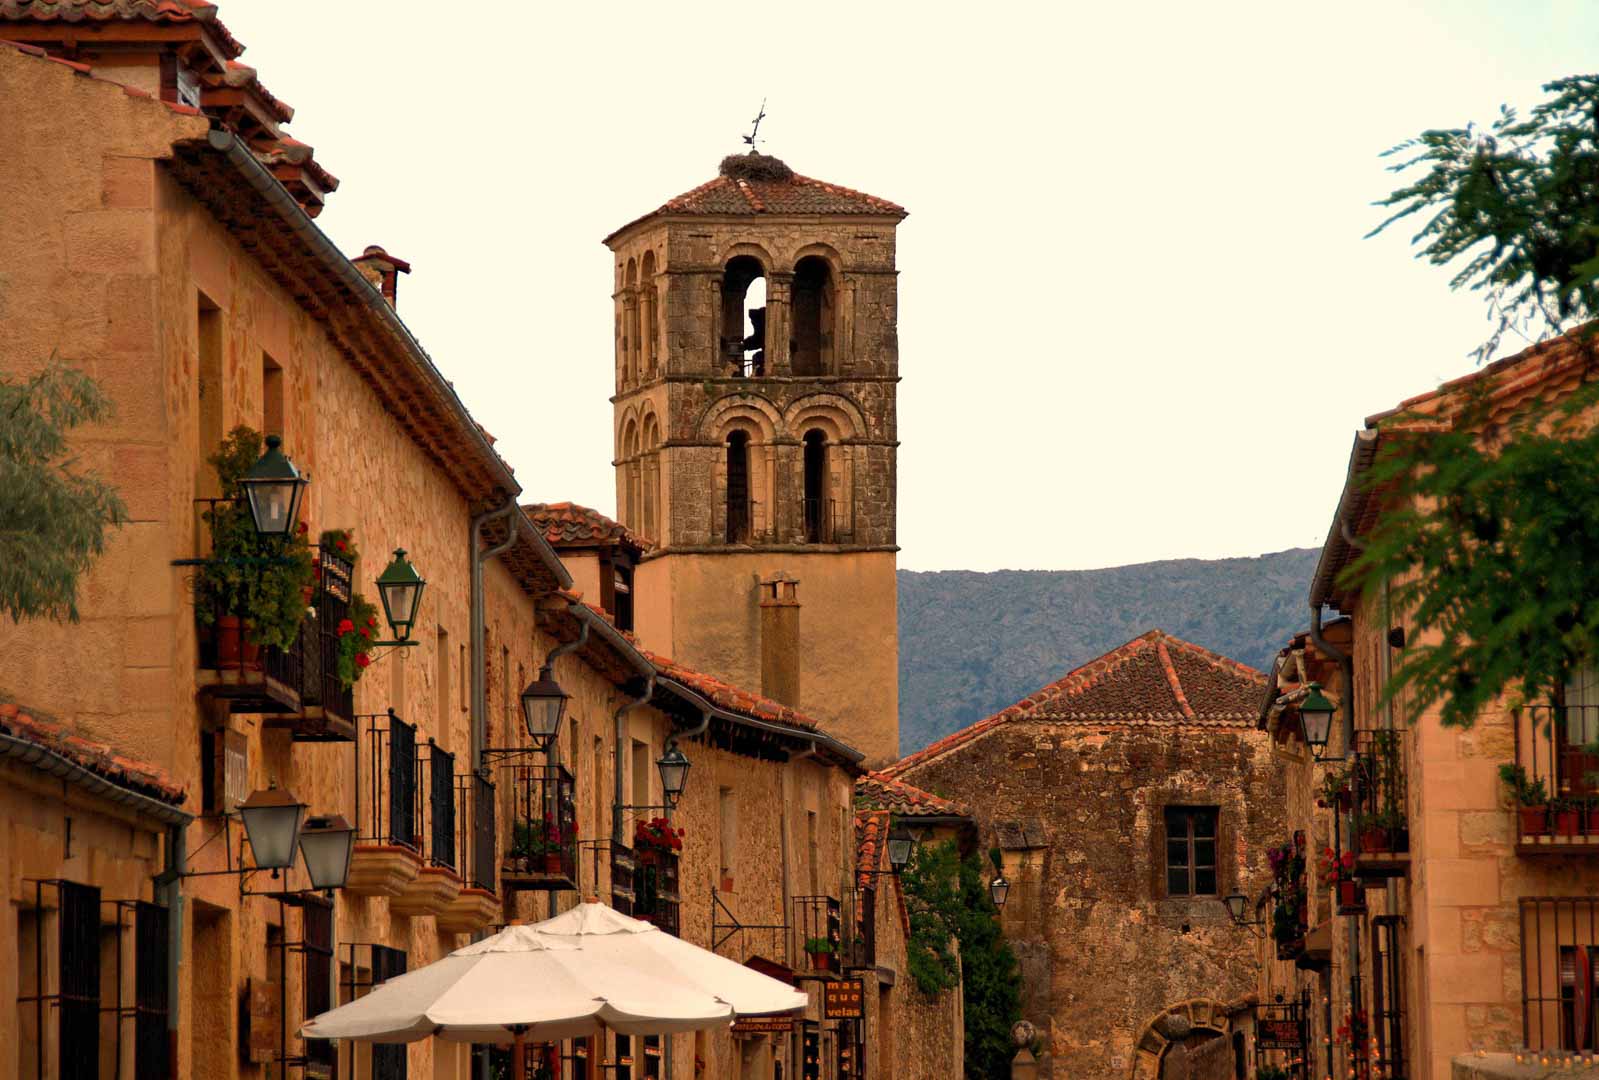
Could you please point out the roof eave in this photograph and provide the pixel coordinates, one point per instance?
(1351, 503)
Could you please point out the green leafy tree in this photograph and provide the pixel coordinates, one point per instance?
(1515, 207)
(1489, 539)
(947, 899)
(53, 516)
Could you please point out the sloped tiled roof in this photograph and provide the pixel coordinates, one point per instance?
(1154, 679)
(94, 757)
(871, 833)
(162, 11)
(725, 695)
(777, 190)
(881, 792)
(567, 524)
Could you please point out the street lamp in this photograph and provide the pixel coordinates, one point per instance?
(327, 843)
(543, 703)
(400, 588)
(899, 847)
(273, 487)
(674, 766)
(999, 890)
(1236, 903)
(272, 824)
(1316, 713)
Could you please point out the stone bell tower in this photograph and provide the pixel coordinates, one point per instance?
(756, 365)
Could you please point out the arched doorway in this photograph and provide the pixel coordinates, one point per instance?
(1188, 1041)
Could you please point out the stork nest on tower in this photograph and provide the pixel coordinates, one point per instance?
(753, 166)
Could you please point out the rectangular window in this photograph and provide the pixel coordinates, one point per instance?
(208, 332)
(389, 1060)
(813, 855)
(727, 847)
(441, 688)
(271, 396)
(1191, 851)
(640, 795)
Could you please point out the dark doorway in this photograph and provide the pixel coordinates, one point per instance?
(738, 488)
(818, 514)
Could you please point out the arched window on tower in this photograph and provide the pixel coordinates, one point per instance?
(740, 507)
(650, 297)
(630, 480)
(744, 316)
(818, 503)
(650, 479)
(811, 347)
(630, 327)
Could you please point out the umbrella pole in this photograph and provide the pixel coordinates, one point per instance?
(518, 1057)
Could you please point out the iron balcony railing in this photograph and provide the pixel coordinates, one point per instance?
(656, 898)
(818, 933)
(329, 705)
(386, 804)
(1557, 748)
(1381, 828)
(624, 870)
(437, 777)
(541, 847)
(1559, 958)
(474, 830)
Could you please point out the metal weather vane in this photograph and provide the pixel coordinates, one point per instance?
(750, 140)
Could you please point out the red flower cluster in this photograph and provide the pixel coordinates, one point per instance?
(1335, 868)
(362, 659)
(658, 833)
(345, 626)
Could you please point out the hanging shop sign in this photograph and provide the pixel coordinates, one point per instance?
(844, 1000)
(1277, 1033)
(762, 1025)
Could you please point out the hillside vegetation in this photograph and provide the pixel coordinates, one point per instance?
(971, 644)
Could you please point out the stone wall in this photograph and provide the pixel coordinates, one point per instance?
(1103, 949)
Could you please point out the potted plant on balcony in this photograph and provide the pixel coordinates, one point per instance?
(359, 628)
(1376, 832)
(1532, 800)
(535, 846)
(656, 836)
(1335, 788)
(1338, 871)
(820, 950)
(1567, 816)
(1288, 913)
(251, 596)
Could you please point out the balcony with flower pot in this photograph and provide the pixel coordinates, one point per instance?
(1337, 872)
(1380, 834)
(657, 847)
(818, 927)
(1554, 780)
(541, 850)
(388, 845)
(1289, 897)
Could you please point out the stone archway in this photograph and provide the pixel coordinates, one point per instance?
(1186, 1041)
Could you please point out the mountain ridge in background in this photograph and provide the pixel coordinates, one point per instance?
(972, 643)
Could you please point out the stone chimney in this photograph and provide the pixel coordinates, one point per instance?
(382, 270)
(780, 639)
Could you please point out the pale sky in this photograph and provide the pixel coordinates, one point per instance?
(1137, 317)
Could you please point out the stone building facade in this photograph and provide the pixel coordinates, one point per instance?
(756, 438)
(1475, 931)
(158, 235)
(1127, 799)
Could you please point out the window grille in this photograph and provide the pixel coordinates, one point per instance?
(1387, 995)
(152, 1049)
(386, 810)
(388, 1059)
(317, 947)
(1191, 851)
(78, 996)
(1559, 957)
(441, 807)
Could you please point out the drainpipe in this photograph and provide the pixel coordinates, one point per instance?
(480, 705)
(1347, 666)
(171, 882)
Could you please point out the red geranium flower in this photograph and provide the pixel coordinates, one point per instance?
(362, 659)
(345, 626)
(341, 545)
(366, 633)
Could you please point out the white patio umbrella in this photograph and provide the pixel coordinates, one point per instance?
(597, 970)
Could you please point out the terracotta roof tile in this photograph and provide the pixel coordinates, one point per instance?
(871, 835)
(161, 11)
(792, 195)
(727, 696)
(98, 758)
(879, 791)
(567, 524)
(1154, 679)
